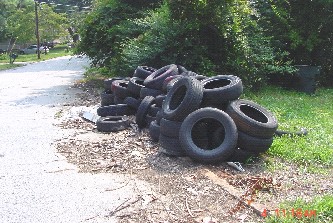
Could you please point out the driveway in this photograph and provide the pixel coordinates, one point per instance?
(36, 183)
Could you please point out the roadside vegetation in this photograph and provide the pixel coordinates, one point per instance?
(57, 51)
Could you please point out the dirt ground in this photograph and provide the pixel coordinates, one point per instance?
(185, 191)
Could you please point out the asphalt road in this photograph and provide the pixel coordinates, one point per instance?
(36, 183)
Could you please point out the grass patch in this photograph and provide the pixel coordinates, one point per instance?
(9, 66)
(295, 110)
(57, 51)
(320, 209)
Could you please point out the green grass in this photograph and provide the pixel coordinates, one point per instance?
(295, 110)
(9, 66)
(320, 209)
(57, 51)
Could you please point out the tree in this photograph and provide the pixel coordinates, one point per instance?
(21, 24)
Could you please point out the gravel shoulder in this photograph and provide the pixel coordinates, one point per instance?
(183, 191)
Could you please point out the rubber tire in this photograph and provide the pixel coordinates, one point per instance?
(159, 100)
(142, 112)
(112, 123)
(200, 77)
(167, 81)
(221, 89)
(170, 146)
(189, 74)
(134, 86)
(107, 99)
(159, 116)
(119, 88)
(154, 131)
(143, 72)
(118, 101)
(115, 110)
(184, 98)
(253, 144)
(171, 83)
(108, 83)
(153, 110)
(241, 156)
(181, 69)
(149, 92)
(252, 118)
(155, 80)
(132, 102)
(223, 151)
(170, 128)
(149, 119)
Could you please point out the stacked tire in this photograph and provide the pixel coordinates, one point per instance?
(207, 121)
(190, 114)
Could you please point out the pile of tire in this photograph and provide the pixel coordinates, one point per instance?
(192, 115)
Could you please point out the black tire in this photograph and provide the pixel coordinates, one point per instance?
(112, 123)
(149, 119)
(107, 99)
(221, 89)
(167, 81)
(253, 144)
(118, 101)
(159, 100)
(252, 118)
(155, 80)
(149, 92)
(200, 77)
(134, 86)
(115, 110)
(189, 74)
(153, 109)
(143, 72)
(159, 116)
(154, 131)
(181, 69)
(170, 146)
(170, 128)
(184, 97)
(108, 82)
(132, 102)
(119, 88)
(142, 112)
(241, 156)
(214, 118)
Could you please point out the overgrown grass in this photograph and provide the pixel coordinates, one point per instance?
(57, 51)
(320, 209)
(295, 110)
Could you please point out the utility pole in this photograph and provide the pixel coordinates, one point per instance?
(37, 28)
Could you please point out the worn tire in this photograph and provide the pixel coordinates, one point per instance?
(155, 80)
(159, 100)
(159, 116)
(115, 110)
(134, 86)
(153, 109)
(142, 112)
(118, 101)
(143, 72)
(112, 123)
(119, 88)
(181, 69)
(167, 81)
(132, 102)
(170, 128)
(149, 119)
(252, 118)
(184, 97)
(214, 118)
(221, 89)
(154, 131)
(107, 99)
(108, 83)
(170, 146)
(144, 92)
(253, 144)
